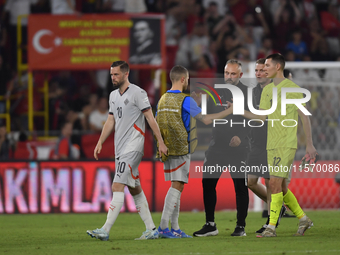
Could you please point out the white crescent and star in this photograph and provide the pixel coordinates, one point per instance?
(36, 41)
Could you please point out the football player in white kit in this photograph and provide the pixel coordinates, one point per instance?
(129, 106)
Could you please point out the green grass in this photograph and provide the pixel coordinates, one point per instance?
(66, 234)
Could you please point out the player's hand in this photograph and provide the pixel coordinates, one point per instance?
(228, 111)
(308, 162)
(197, 97)
(235, 141)
(97, 150)
(230, 105)
(311, 151)
(163, 151)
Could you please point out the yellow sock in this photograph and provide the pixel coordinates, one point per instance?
(292, 203)
(275, 208)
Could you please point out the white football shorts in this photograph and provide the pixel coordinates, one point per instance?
(176, 168)
(127, 169)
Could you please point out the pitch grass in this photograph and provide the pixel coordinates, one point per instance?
(66, 234)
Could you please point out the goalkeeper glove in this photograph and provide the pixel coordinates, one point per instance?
(308, 162)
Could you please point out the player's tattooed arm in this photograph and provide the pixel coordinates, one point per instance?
(199, 117)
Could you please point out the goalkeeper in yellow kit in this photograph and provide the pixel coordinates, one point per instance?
(282, 143)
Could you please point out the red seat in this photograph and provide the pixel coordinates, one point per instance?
(25, 150)
(89, 142)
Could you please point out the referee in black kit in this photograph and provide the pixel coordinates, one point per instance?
(229, 146)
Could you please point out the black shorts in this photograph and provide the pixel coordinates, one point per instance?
(257, 163)
(233, 160)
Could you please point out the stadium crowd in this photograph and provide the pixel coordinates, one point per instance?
(200, 35)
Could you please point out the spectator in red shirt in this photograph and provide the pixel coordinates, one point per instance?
(238, 9)
(330, 21)
(64, 148)
(195, 15)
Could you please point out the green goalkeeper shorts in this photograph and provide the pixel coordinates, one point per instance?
(280, 161)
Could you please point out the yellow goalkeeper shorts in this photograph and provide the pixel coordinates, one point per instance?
(280, 161)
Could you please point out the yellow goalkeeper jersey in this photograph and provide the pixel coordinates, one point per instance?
(282, 129)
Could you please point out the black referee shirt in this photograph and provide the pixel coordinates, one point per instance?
(258, 134)
(223, 133)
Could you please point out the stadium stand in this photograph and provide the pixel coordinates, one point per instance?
(208, 31)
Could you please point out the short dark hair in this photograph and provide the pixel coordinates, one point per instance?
(261, 61)
(286, 73)
(22, 137)
(124, 67)
(177, 72)
(277, 58)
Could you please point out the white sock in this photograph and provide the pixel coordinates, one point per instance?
(115, 206)
(271, 227)
(175, 214)
(142, 207)
(212, 223)
(169, 206)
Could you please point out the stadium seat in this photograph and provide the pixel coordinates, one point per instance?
(88, 143)
(25, 150)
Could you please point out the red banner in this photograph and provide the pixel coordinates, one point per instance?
(45, 187)
(82, 187)
(72, 42)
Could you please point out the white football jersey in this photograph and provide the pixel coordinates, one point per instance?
(127, 110)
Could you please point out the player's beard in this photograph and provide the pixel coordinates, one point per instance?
(186, 89)
(232, 82)
(118, 84)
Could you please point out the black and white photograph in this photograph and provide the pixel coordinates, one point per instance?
(145, 47)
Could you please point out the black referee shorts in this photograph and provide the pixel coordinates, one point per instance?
(257, 163)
